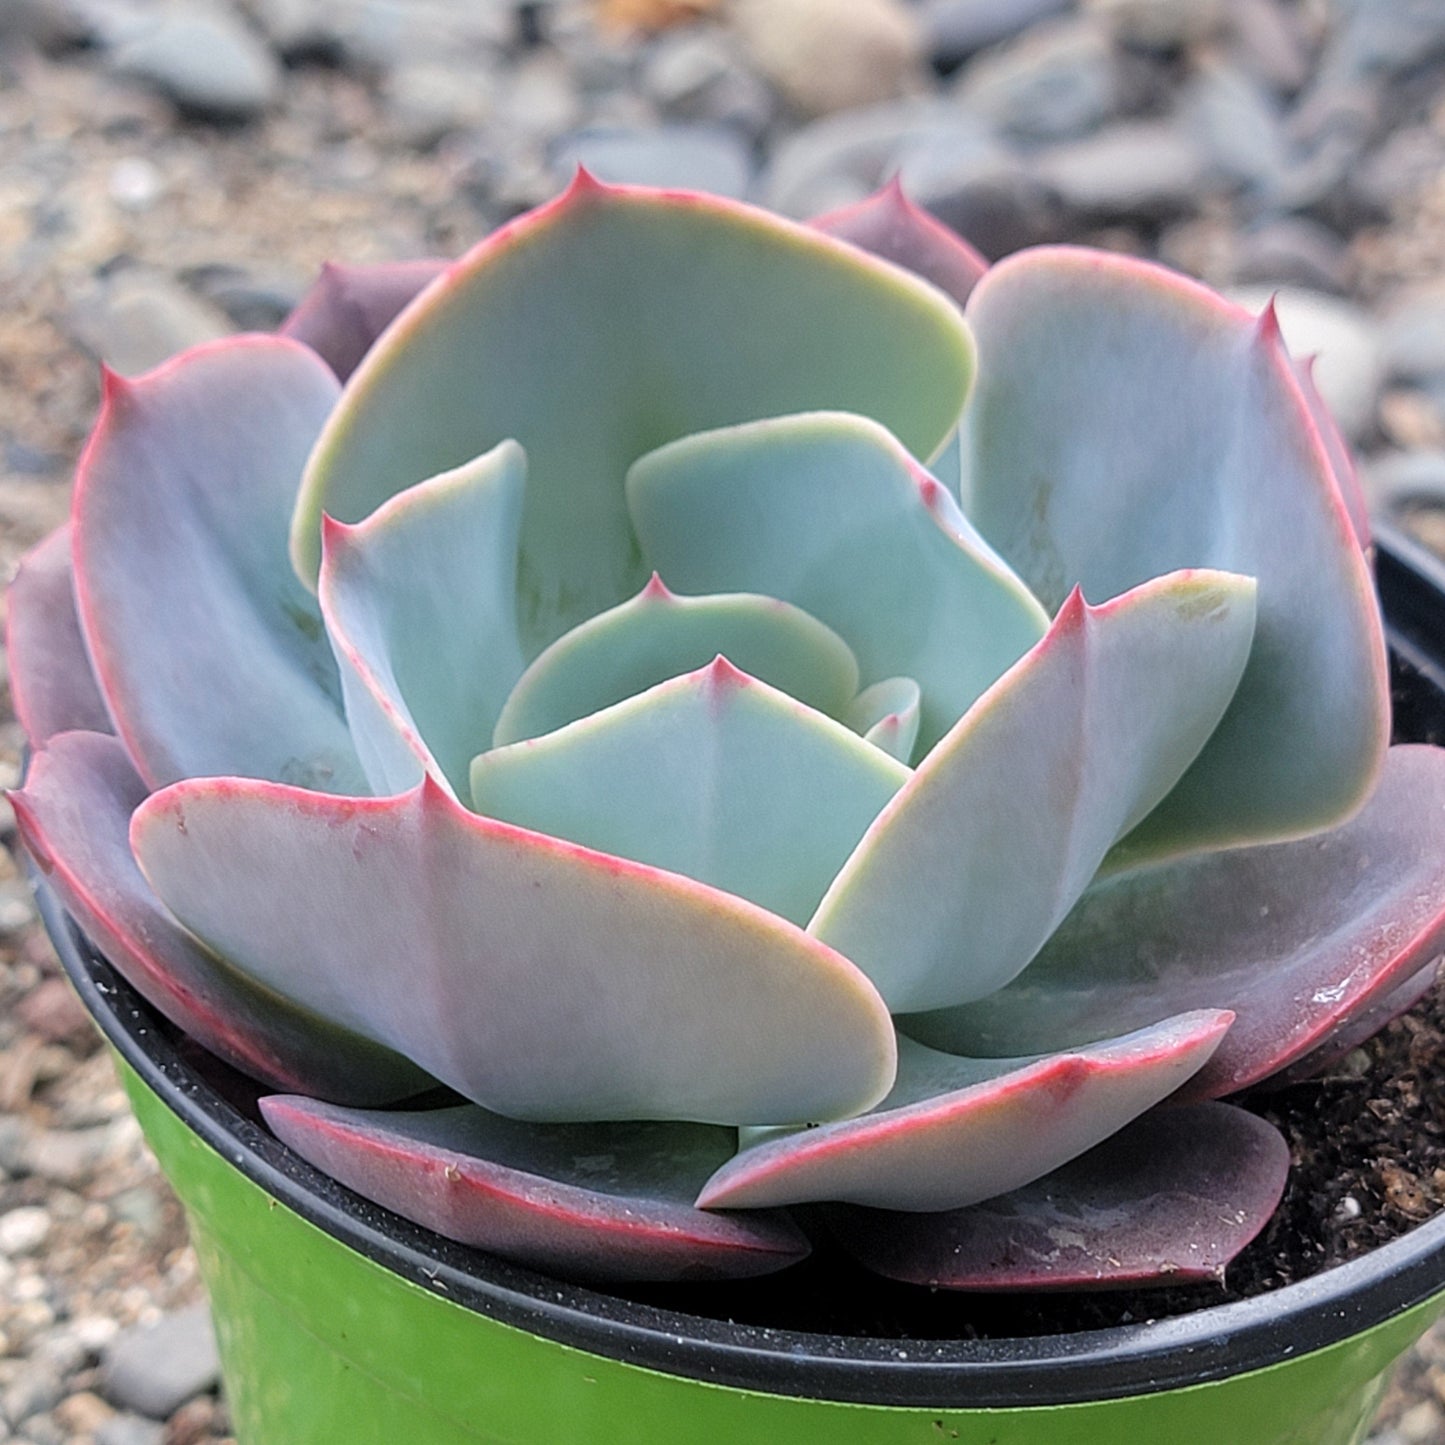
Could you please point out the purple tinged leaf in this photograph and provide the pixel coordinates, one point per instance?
(537, 978)
(1357, 1028)
(982, 852)
(420, 604)
(1296, 938)
(1112, 390)
(74, 814)
(210, 654)
(589, 1201)
(889, 225)
(348, 307)
(52, 684)
(1170, 1199)
(955, 1131)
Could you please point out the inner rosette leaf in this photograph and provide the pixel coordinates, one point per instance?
(714, 775)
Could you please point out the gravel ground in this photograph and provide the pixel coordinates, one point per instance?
(172, 170)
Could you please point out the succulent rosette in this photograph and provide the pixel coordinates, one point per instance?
(762, 714)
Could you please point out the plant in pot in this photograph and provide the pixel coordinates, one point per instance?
(567, 769)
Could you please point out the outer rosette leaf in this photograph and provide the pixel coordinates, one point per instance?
(420, 606)
(52, 684)
(536, 978)
(74, 814)
(955, 1131)
(830, 512)
(348, 307)
(1128, 422)
(603, 325)
(1296, 938)
(715, 775)
(889, 225)
(589, 1201)
(657, 635)
(981, 854)
(210, 654)
(1170, 1199)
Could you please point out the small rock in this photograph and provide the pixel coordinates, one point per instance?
(68, 1156)
(1404, 166)
(674, 157)
(1383, 37)
(542, 99)
(251, 300)
(697, 73)
(82, 1413)
(1268, 41)
(957, 29)
(1294, 251)
(38, 1388)
(1412, 335)
(135, 183)
(1135, 169)
(1349, 370)
(1411, 419)
(1059, 80)
(206, 62)
(873, 52)
(23, 1231)
(133, 320)
(1238, 124)
(1421, 1424)
(840, 159)
(428, 100)
(153, 1369)
(52, 1010)
(128, 1429)
(1166, 25)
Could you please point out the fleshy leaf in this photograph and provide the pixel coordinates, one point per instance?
(419, 602)
(52, 684)
(586, 1201)
(657, 635)
(955, 1131)
(210, 654)
(1359, 1027)
(348, 307)
(603, 325)
(1295, 938)
(1170, 1199)
(978, 858)
(828, 511)
(1337, 449)
(536, 978)
(889, 225)
(714, 775)
(74, 814)
(1128, 422)
(886, 714)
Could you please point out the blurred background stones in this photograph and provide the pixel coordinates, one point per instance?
(171, 170)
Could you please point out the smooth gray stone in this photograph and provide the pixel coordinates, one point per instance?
(1294, 251)
(1412, 335)
(154, 1369)
(1135, 169)
(676, 157)
(130, 1429)
(204, 61)
(1238, 123)
(697, 73)
(134, 320)
(956, 29)
(1061, 79)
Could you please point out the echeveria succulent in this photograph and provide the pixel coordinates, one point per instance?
(559, 676)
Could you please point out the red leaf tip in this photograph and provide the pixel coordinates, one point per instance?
(720, 674)
(656, 590)
(1266, 326)
(114, 388)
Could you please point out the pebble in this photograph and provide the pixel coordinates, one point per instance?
(1395, 480)
(1268, 40)
(23, 1230)
(1060, 79)
(1349, 370)
(128, 1429)
(206, 62)
(957, 29)
(1238, 124)
(1141, 168)
(706, 158)
(1293, 251)
(1412, 335)
(874, 50)
(697, 73)
(1166, 25)
(429, 100)
(133, 320)
(154, 1368)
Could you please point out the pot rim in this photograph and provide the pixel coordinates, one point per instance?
(1211, 1343)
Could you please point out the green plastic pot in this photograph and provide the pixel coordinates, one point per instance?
(340, 1324)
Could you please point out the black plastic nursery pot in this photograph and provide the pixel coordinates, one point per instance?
(340, 1324)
